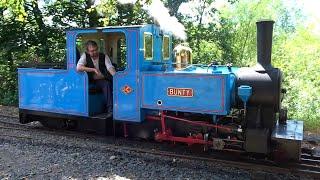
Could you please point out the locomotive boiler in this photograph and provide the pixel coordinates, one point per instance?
(159, 94)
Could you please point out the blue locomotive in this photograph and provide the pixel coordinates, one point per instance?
(158, 93)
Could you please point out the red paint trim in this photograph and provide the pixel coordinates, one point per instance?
(182, 108)
(187, 140)
(174, 92)
(197, 123)
(163, 124)
(222, 89)
(179, 108)
(166, 134)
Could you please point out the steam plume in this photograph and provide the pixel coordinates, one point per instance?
(161, 15)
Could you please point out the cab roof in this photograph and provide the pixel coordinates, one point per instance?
(110, 27)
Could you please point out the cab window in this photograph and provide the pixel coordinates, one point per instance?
(148, 46)
(166, 48)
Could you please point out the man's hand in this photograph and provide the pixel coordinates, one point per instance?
(95, 71)
(98, 74)
(112, 71)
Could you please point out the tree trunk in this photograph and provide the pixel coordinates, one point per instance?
(92, 14)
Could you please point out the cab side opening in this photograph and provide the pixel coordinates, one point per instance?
(112, 44)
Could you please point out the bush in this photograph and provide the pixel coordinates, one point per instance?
(8, 85)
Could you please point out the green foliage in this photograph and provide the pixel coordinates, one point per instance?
(130, 15)
(8, 85)
(239, 22)
(295, 51)
(299, 59)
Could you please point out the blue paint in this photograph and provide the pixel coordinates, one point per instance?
(244, 92)
(211, 92)
(51, 90)
(126, 106)
(96, 104)
(66, 91)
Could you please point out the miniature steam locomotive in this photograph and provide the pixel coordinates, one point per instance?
(158, 93)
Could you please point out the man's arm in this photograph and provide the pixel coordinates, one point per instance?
(112, 71)
(109, 66)
(81, 66)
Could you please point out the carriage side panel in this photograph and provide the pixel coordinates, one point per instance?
(55, 91)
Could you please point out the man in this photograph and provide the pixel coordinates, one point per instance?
(99, 69)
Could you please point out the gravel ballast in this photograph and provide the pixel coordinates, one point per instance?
(22, 159)
(49, 156)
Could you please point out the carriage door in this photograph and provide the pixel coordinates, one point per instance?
(122, 47)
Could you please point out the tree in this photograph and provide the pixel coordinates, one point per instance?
(129, 14)
(299, 59)
(173, 6)
(11, 38)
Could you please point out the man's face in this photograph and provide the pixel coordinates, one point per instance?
(93, 51)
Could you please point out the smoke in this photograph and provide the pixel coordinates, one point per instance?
(161, 15)
(167, 23)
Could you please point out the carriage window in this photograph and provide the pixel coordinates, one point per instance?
(148, 46)
(166, 48)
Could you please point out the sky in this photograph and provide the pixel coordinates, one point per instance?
(310, 9)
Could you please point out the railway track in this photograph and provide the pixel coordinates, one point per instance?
(309, 165)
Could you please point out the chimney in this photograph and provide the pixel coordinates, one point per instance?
(264, 44)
